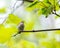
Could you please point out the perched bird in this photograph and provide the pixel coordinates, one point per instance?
(20, 27)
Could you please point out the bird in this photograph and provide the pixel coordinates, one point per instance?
(20, 28)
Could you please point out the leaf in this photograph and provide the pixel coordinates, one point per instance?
(57, 44)
(27, 44)
(47, 43)
(57, 7)
(22, 43)
(9, 28)
(53, 1)
(47, 11)
(36, 6)
(3, 10)
(56, 17)
(57, 32)
(7, 32)
(34, 3)
(29, 25)
(13, 19)
(40, 35)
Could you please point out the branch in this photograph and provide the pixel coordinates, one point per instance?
(35, 31)
(54, 7)
(41, 30)
(29, 0)
(56, 14)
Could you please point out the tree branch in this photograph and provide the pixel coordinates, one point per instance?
(41, 30)
(56, 14)
(29, 0)
(36, 31)
(54, 7)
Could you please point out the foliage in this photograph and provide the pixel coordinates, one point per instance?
(13, 19)
(3, 10)
(9, 28)
(30, 40)
(45, 7)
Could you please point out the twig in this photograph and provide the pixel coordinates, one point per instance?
(36, 31)
(54, 7)
(56, 14)
(41, 30)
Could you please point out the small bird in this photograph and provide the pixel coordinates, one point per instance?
(20, 27)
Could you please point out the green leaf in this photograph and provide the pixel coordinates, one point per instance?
(46, 11)
(53, 2)
(34, 3)
(6, 32)
(3, 10)
(13, 19)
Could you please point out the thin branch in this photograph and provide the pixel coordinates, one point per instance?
(54, 7)
(36, 31)
(56, 14)
(41, 30)
(29, 0)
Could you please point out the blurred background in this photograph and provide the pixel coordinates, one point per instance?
(12, 12)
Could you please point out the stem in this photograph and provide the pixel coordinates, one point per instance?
(29, 0)
(43, 4)
(41, 30)
(54, 7)
(36, 31)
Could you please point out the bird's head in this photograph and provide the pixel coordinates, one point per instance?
(22, 21)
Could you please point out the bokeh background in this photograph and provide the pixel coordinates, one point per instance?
(10, 17)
